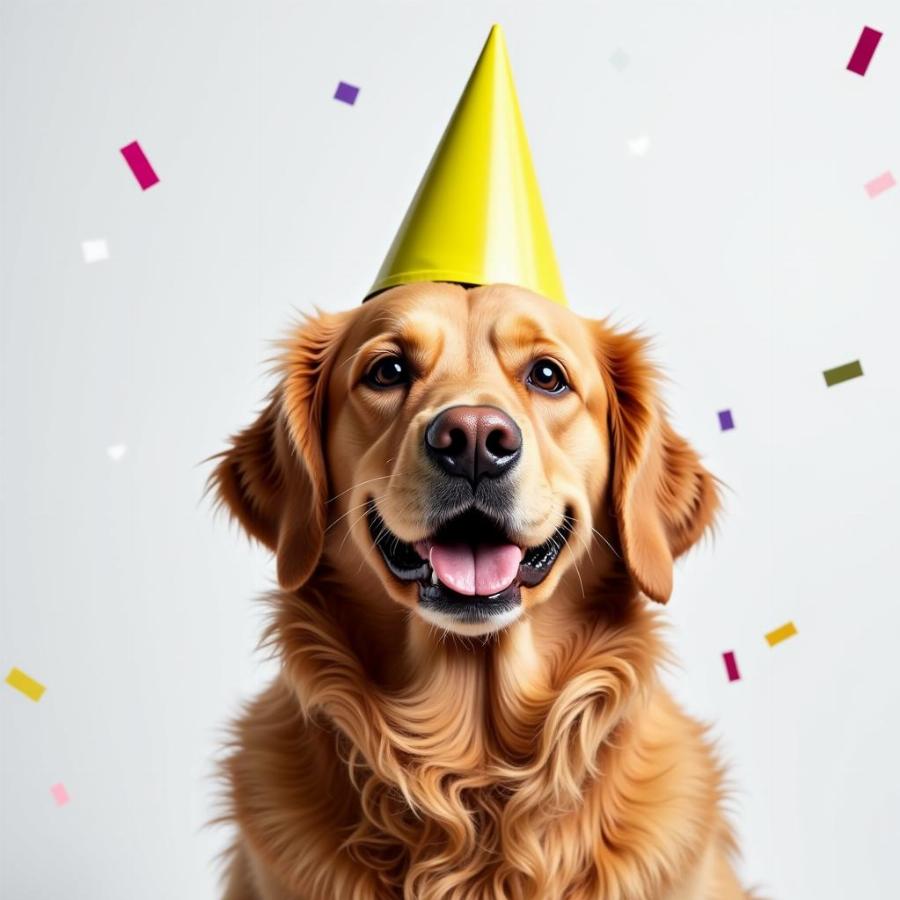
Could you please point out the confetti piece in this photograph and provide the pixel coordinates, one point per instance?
(116, 452)
(726, 422)
(639, 146)
(619, 59)
(781, 634)
(843, 373)
(60, 794)
(880, 184)
(94, 251)
(32, 689)
(139, 165)
(346, 93)
(731, 666)
(865, 49)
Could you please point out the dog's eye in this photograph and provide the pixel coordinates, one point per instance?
(387, 372)
(547, 376)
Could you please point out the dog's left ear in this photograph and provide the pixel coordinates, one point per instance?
(663, 497)
(272, 479)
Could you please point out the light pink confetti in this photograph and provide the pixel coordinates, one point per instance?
(60, 794)
(880, 184)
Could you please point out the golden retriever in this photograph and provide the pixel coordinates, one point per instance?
(470, 494)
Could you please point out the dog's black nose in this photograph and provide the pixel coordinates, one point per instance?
(474, 442)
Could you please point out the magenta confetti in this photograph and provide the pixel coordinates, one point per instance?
(139, 165)
(731, 666)
(865, 50)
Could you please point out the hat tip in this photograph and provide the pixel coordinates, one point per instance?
(496, 39)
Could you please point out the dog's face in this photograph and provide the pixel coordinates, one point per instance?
(468, 437)
(474, 448)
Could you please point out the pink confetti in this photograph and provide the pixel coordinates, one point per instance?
(731, 666)
(880, 184)
(60, 794)
(139, 165)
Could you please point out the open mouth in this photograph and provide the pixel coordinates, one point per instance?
(469, 570)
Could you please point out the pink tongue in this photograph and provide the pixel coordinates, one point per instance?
(483, 570)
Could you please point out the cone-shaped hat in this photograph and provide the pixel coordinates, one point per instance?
(477, 217)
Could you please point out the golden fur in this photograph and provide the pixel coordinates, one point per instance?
(393, 759)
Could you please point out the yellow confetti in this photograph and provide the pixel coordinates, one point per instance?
(781, 634)
(25, 683)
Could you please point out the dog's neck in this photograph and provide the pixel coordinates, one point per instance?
(498, 705)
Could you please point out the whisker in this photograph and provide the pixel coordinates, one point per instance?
(350, 531)
(356, 521)
(344, 515)
(354, 486)
(577, 534)
(575, 564)
(599, 535)
(608, 544)
(376, 543)
(367, 481)
(384, 531)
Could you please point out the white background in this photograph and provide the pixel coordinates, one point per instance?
(742, 240)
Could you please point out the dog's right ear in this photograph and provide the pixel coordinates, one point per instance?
(272, 479)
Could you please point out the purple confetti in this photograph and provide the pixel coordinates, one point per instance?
(346, 93)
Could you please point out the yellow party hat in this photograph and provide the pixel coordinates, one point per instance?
(477, 217)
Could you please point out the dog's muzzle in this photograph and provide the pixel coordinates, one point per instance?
(468, 569)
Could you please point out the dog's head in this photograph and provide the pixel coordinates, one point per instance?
(473, 448)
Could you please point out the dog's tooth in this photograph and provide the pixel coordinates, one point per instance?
(434, 578)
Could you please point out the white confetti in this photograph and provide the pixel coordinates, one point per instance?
(619, 59)
(116, 452)
(639, 146)
(95, 251)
